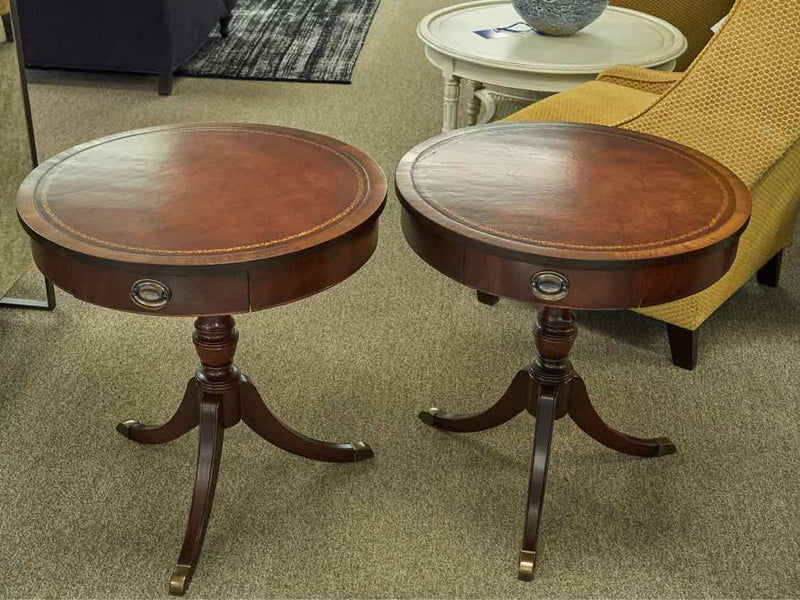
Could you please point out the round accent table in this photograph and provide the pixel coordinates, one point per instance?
(568, 216)
(526, 66)
(207, 221)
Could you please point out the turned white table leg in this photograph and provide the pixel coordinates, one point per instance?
(473, 103)
(451, 92)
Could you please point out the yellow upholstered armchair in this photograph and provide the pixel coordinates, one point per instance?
(738, 102)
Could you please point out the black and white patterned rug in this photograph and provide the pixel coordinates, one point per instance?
(297, 40)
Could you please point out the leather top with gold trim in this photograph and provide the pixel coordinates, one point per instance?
(202, 200)
(584, 198)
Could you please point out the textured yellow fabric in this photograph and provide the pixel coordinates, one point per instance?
(597, 102)
(647, 80)
(739, 103)
(693, 17)
(5, 7)
(775, 202)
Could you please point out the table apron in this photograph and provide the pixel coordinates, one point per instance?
(591, 287)
(213, 290)
(512, 78)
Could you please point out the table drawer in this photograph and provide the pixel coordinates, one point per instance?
(211, 292)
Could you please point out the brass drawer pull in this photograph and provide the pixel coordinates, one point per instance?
(151, 294)
(549, 286)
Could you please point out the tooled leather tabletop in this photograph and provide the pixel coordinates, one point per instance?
(201, 194)
(572, 192)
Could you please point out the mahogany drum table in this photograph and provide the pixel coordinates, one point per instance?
(207, 221)
(571, 217)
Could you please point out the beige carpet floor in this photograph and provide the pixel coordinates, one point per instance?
(85, 513)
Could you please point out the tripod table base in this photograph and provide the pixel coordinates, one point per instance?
(216, 398)
(549, 390)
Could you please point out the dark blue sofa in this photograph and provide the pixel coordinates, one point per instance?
(140, 36)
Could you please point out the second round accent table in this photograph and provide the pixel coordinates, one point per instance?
(207, 221)
(568, 216)
(528, 66)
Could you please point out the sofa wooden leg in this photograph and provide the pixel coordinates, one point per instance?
(770, 273)
(225, 26)
(683, 345)
(165, 84)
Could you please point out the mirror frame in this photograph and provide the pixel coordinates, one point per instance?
(6, 302)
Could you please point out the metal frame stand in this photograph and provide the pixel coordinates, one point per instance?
(25, 303)
(48, 304)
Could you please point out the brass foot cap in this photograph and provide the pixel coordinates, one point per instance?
(666, 447)
(429, 416)
(180, 580)
(526, 565)
(125, 427)
(361, 451)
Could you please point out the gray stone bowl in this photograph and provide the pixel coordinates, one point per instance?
(559, 17)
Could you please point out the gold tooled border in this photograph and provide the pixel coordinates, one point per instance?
(725, 207)
(354, 165)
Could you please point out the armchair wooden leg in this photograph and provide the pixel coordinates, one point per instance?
(770, 273)
(165, 84)
(683, 345)
(487, 299)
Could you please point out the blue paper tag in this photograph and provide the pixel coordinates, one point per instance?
(508, 31)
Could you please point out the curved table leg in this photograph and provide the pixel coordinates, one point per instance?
(261, 420)
(585, 416)
(542, 439)
(205, 483)
(473, 102)
(489, 105)
(509, 406)
(185, 419)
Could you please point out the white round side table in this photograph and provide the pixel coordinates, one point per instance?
(530, 65)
